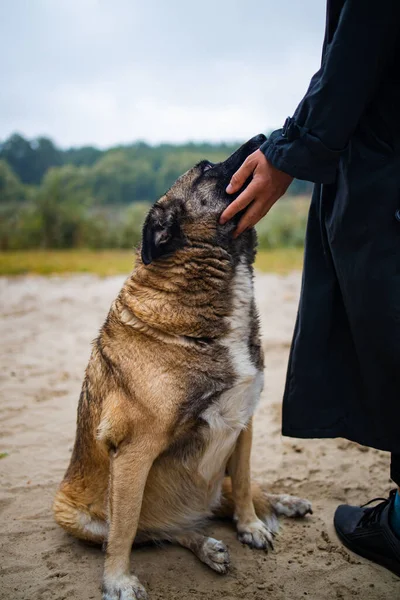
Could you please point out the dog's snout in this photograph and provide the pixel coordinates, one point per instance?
(257, 140)
(252, 145)
(237, 158)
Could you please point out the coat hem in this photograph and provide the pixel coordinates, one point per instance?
(335, 433)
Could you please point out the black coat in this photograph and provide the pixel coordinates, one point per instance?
(344, 370)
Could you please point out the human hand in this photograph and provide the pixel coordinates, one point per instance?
(266, 187)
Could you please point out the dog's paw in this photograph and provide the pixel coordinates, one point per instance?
(291, 506)
(215, 554)
(256, 535)
(125, 587)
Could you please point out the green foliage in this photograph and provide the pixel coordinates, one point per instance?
(81, 157)
(118, 180)
(115, 227)
(285, 224)
(11, 189)
(86, 197)
(61, 205)
(30, 160)
(20, 227)
(119, 175)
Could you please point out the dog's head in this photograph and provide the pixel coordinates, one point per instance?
(189, 212)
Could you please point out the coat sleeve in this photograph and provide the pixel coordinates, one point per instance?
(310, 143)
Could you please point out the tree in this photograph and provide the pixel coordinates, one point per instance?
(61, 205)
(46, 155)
(11, 189)
(30, 160)
(82, 157)
(118, 180)
(18, 152)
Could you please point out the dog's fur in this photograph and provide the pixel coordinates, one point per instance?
(165, 415)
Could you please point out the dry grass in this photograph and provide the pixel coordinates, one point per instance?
(115, 262)
(48, 262)
(280, 260)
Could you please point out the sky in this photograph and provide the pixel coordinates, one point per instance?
(104, 72)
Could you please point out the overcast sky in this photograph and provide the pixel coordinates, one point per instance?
(113, 71)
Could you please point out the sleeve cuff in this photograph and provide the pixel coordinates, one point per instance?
(296, 151)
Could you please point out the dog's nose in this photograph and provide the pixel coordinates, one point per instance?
(252, 145)
(258, 139)
(237, 158)
(255, 142)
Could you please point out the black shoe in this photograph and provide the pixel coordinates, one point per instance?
(367, 532)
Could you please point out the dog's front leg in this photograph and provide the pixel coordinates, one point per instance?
(129, 468)
(251, 530)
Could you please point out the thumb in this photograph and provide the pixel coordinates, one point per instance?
(240, 177)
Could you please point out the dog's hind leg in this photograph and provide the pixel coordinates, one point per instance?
(267, 506)
(210, 551)
(77, 521)
(264, 509)
(254, 511)
(253, 531)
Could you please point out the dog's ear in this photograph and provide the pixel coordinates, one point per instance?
(162, 232)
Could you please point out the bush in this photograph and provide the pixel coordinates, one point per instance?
(115, 227)
(284, 225)
(85, 197)
(53, 220)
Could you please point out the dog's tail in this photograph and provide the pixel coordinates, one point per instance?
(267, 506)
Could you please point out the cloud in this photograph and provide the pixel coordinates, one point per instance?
(101, 72)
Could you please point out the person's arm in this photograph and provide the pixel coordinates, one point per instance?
(310, 144)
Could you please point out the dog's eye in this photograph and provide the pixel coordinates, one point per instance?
(205, 165)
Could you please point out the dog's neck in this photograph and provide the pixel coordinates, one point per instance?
(186, 295)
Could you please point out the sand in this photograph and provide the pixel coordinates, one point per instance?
(46, 330)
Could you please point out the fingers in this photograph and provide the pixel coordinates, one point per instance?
(240, 177)
(267, 185)
(240, 203)
(255, 213)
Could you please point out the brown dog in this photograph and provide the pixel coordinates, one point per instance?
(169, 393)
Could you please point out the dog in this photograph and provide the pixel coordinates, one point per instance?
(164, 426)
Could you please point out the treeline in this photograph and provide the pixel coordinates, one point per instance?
(54, 198)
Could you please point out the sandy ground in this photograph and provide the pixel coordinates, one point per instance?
(47, 326)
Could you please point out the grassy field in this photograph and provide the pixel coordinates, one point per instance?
(116, 262)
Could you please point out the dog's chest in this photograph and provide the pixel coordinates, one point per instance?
(230, 413)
